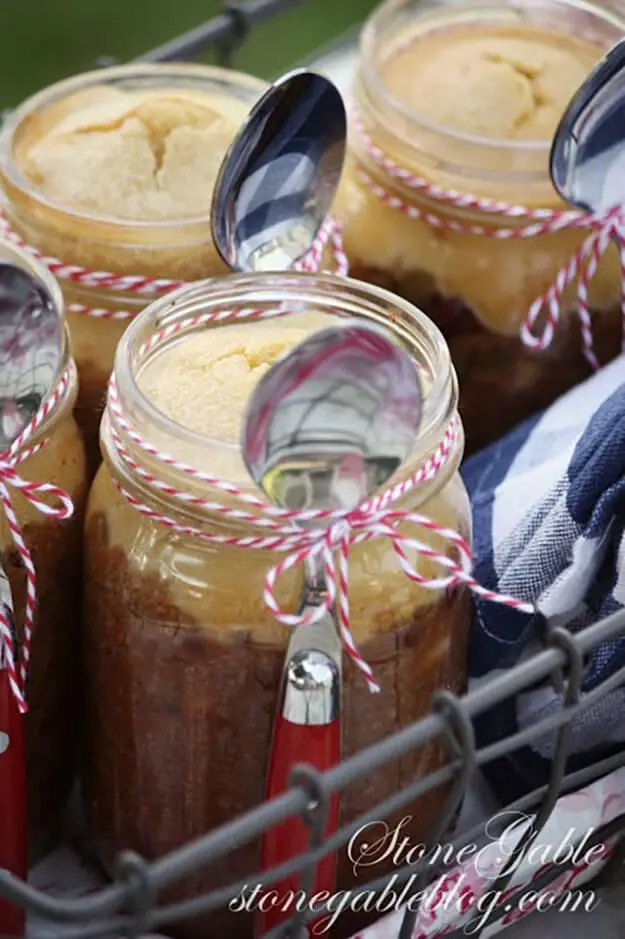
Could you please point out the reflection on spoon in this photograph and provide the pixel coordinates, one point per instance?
(587, 161)
(30, 349)
(334, 419)
(278, 180)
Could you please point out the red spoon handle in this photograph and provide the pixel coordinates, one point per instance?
(13, 850)
(319, 746)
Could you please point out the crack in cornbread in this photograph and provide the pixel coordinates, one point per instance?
(142, 156)
(501, 83)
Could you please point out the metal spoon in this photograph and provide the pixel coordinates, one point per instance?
(278, 180)
(31, 340)
(327, 425)
(273, 193)
(587, 161)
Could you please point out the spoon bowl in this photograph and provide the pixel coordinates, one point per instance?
(587, 159)
(333, 419)
(277, 182)
(31, 340)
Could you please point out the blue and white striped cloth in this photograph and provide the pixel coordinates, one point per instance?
(549, 527)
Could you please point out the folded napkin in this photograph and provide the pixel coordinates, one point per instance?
(549, 513)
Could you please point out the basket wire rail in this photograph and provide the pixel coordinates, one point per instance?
(129, 905)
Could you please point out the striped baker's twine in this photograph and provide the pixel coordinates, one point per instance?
(61, 508)
(603, 230)
(281, 530)
(149, 287)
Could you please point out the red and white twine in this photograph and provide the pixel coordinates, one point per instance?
(38, 495)
(280, 529)
(150, 287)
(602, 230)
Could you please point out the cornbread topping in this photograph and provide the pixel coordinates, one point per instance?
(142, 156)
(491, 87)
(503, 83)
(204, 382)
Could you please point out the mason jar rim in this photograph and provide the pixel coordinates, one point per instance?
(323, 293)
(388, 106)
(225, 78)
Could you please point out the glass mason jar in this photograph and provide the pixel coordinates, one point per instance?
(466, 96)
(183, 665)
(96, 229)
(53, 686)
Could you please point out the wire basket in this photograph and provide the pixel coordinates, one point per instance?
(129, 905)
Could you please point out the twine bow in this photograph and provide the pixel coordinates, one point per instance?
(363, 525)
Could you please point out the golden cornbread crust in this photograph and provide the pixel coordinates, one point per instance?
(137, 156)
(204, 382)
(501, 83)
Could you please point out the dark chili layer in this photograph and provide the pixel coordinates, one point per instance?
(54, 690)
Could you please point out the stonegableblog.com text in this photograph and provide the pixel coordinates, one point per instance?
(393, 898)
